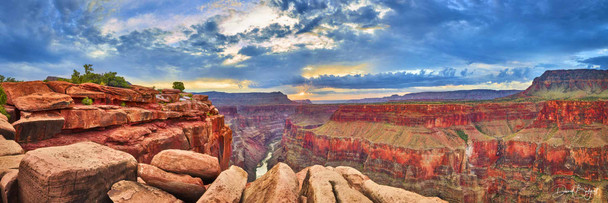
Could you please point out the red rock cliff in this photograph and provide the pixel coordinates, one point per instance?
(486, 152)
(127, 119)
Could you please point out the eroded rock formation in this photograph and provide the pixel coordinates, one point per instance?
(480, 152)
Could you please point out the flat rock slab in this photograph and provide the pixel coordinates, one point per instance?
(81, 172)
(188, 162)
(182, 186)
(10, 147)
(280, 184)
(228, 187)
(126, 191)
(43, 101)
(15, 90)
(38, 126)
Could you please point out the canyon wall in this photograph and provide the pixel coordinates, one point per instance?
(475, 152)
(138, 120)
(255, 127)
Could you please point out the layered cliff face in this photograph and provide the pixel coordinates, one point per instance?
(255, 128)
(569, 84)
(127, 119)
(480, 152)
(463, 95)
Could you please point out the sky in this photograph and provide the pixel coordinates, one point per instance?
(307, 49)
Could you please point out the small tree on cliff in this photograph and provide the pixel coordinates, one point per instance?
(179, 85)
(109, 78)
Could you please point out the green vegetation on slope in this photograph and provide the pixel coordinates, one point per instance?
(462, 135)
(109, 78)
(3, 97)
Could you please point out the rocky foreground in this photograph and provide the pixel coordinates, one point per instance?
(90, 172)
(143, 145)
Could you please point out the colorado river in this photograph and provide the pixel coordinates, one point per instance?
(263, 168)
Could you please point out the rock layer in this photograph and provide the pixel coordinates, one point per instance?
(482, 152)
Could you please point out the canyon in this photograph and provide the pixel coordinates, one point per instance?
(520, 148)
(64, 142)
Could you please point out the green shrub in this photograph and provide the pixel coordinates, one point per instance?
(109, 78)
(462, 135)
(190, 95)
(9, 79)
(87, 101)
(3, 102)
(179, 85)
(123, 104)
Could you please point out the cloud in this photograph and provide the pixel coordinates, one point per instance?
(336, 70)
(601, 61)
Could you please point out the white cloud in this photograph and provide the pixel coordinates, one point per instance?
(260, 16)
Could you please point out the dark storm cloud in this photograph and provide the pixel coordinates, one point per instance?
(416, 34)
(399, 80)
(601, 61)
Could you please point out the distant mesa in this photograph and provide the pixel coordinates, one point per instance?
(458, 95)
(568, 84)
(254, 98)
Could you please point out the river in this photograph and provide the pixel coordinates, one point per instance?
(263, 166)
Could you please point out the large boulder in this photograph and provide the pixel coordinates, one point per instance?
(43, 101)
(8, 187)
(387, 194)
(182, 186)
(10, 147)
(126, 191)
(81, 93)
(228, 187)
(188, 162)
(7, 130)
(38, 126)
(380, 193)
(326, 185)
(280, 184)
(59, 86)
(81, 172)
(15, 90)
(162, 139)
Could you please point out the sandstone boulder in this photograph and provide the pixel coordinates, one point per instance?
(8, 187)
(128, 134)
(81, 172)
(387, 194)
(138, 115)
(79, 92)
(43, 101)
(188, 162)
(10, 147)
(277, 185)
(380, 193)
(228, 187)
(15, 90)
(59, 86)
(126, 191)
(38, 126)
(87, 117)
(162, 139)
(326, 185)
(6, 129)
(182, 186)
